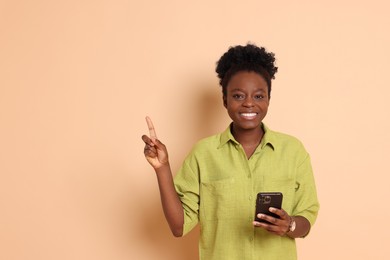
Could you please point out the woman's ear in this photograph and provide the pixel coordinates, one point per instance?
(224, 101)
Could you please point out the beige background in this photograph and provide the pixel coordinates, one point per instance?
(77, 79)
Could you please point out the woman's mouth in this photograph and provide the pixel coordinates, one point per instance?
(248, 116)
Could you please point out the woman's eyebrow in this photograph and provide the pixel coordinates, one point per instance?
(257, 90)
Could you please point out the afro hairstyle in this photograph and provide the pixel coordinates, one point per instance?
(246, 58)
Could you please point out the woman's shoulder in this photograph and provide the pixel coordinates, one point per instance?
(203, 148)
(282, 139)
(208, 142)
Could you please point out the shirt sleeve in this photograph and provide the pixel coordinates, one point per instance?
(187, 187)
(306, 201)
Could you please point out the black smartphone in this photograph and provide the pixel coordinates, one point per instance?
(264, 201)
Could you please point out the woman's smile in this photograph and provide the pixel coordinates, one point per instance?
(249, 116)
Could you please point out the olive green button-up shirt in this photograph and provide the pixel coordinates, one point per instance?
(218, 185)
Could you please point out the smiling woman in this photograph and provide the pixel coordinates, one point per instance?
(220, 178)
(77, 78)
(247, 104)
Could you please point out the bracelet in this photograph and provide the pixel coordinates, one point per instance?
(292, 225)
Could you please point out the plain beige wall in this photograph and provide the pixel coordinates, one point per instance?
(77, 79)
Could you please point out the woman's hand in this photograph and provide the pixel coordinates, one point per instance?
(278, 226)
(155, 152)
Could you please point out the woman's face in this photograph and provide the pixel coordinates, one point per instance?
(246, 100)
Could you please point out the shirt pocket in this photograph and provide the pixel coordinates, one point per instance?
(219, 199)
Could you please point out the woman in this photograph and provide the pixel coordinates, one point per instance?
(220, 178)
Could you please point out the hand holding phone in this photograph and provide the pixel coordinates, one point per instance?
(264, 201)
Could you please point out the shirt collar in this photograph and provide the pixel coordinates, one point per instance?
(268, 138)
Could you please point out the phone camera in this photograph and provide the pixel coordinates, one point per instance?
(266, 199)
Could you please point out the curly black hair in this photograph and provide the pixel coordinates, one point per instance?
(246, 58)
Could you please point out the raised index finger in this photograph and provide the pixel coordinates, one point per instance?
(152, 132)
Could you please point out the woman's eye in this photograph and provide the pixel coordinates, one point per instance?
(238, 96)
(259, 97)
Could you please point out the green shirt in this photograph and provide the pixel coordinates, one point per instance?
(218, 184)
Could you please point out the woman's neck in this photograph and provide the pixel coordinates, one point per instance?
(248, 138)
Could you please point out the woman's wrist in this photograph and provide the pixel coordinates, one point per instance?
(299, 227)
(163, 168)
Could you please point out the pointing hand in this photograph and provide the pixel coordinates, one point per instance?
(155, 152)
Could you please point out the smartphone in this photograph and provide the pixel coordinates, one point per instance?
(264, 201)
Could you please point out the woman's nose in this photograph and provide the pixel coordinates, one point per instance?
(248, 102)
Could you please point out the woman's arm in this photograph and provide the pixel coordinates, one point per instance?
(170, 201)
(157, 155)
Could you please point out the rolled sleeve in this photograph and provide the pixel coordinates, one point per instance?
(187, 187)
(306, 201)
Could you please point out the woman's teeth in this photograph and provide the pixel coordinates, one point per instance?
(249, 115)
